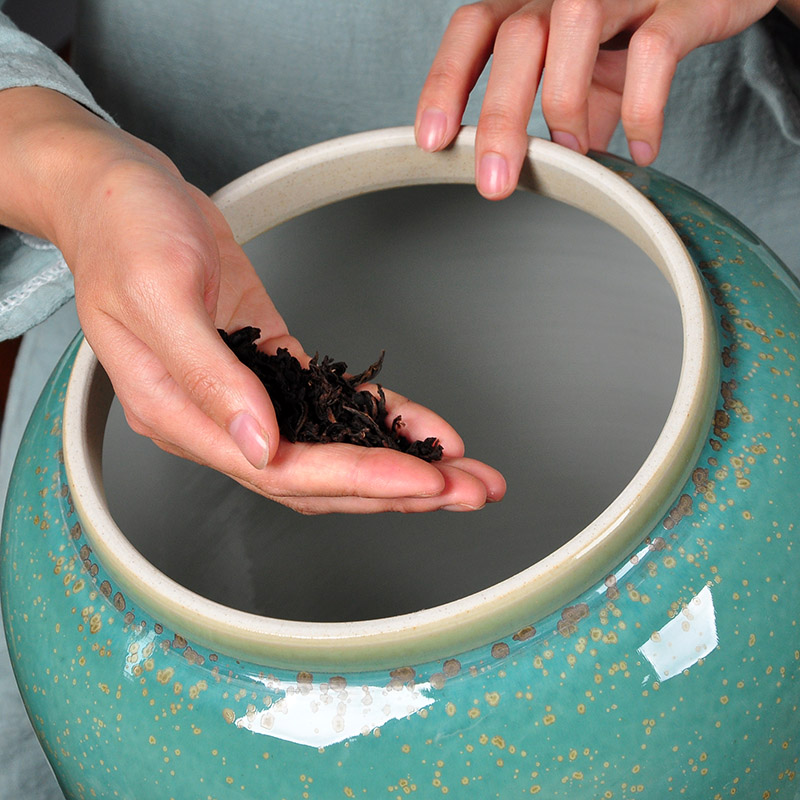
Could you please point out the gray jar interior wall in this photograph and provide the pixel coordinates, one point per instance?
(550, 341)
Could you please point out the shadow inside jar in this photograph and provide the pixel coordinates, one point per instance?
(550, 341)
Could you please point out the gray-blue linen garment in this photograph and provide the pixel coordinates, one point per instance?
(223, 87)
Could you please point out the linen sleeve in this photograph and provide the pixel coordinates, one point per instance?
(34, 279)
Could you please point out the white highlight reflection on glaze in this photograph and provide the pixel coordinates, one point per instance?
(318, 715)
(685, 639)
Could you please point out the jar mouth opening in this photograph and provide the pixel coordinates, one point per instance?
(337, 170)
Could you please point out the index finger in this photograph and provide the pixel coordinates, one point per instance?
(464, 50)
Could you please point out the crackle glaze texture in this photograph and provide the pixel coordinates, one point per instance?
(676, 675)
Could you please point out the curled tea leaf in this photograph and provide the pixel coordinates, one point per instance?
(321, 403)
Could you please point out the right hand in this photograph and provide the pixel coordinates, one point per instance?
(598, 61)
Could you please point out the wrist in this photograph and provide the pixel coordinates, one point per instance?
(53, 151)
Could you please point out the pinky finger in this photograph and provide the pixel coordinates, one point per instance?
(653, 55)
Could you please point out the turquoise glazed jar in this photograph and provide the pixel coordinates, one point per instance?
(654, 654)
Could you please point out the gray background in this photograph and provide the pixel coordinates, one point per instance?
(50, 21)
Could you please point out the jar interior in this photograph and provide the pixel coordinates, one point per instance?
(549, 340)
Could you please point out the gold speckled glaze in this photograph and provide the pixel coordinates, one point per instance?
(653, 655)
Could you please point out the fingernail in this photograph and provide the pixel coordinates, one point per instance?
(566, 140)
(641, 152)
(492, 175)
(250, 439)
(432, 129)
(459, 507)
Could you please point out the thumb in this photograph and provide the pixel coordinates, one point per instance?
(223, 388)
(170, 359)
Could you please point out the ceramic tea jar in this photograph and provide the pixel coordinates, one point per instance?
(654, 654)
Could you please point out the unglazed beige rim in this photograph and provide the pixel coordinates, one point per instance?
(343, 168)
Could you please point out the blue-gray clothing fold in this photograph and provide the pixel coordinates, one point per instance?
(223, 87)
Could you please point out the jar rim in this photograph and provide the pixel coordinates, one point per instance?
(337, 170)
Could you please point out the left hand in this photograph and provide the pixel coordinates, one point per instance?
(150, 308)
(157, 272)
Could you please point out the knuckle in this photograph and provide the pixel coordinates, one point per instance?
(140, 294)
(291, 343)
(493, 126)
(167, 447)
(287, 342)
(500, 122)
(204, 387)
(473, 17)
(657, 39)
(574, 12)
(522, 29)
(641, 113)
(559, 105)
(715, 16)
(446, 72)
(139, 424)
(307, 508)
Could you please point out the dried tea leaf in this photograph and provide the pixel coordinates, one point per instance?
(321, 403)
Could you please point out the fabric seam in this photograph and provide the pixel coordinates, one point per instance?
(20, 295)
(34, 242)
